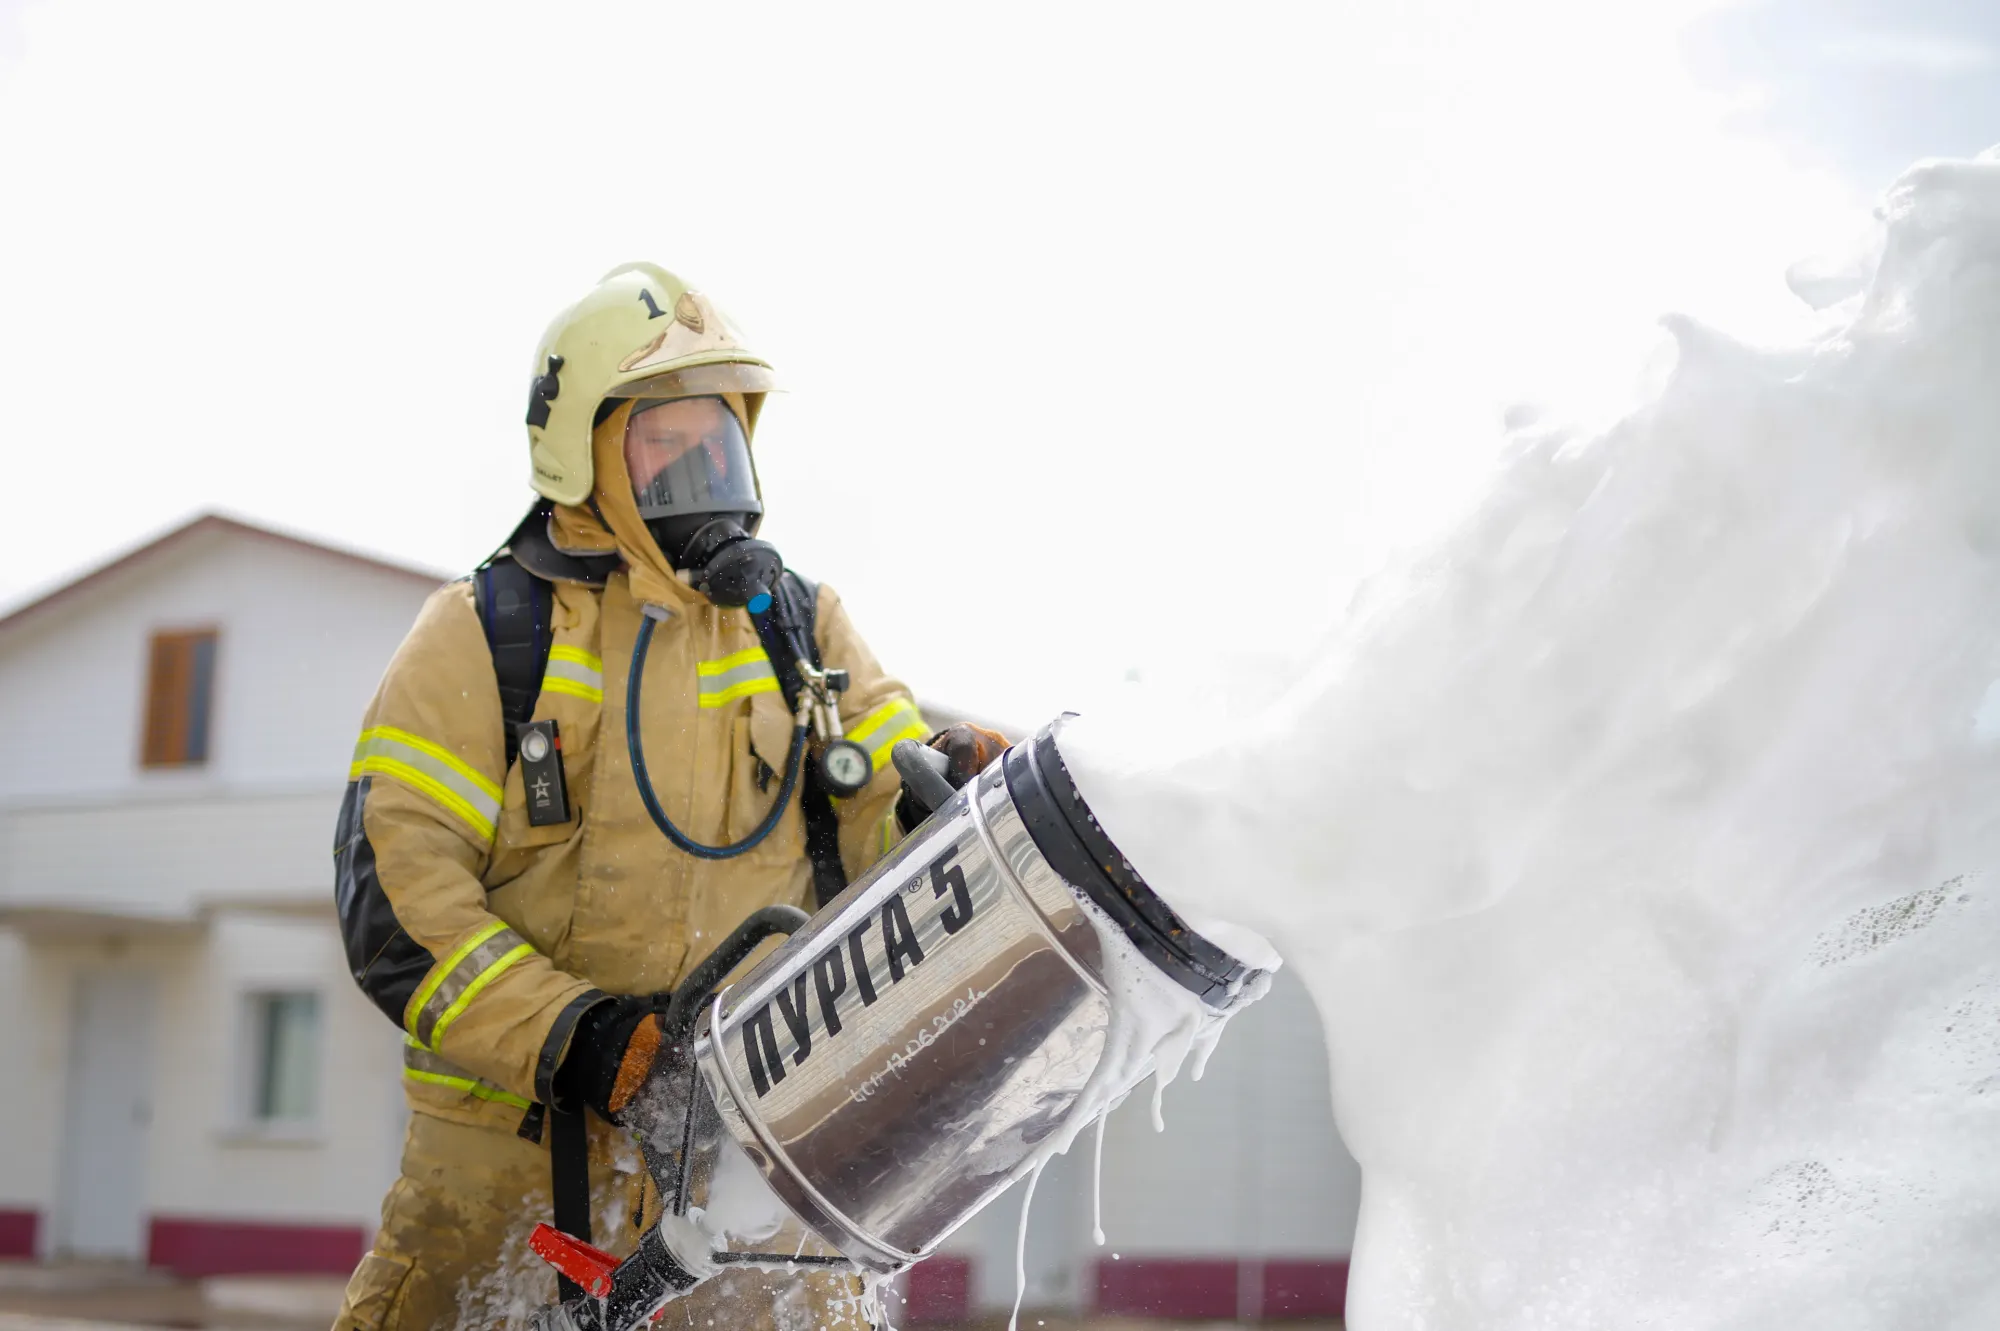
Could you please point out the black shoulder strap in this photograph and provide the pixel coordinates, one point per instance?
(514, 609)
(783, 629)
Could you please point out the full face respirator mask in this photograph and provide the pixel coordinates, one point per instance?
(697, 492)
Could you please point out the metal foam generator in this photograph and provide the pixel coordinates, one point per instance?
(897, 1063)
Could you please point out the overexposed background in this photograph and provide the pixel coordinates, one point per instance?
(1121, 339)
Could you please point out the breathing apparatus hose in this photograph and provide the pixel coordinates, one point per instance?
(794, 764)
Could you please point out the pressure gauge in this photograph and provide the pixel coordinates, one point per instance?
(844, 768)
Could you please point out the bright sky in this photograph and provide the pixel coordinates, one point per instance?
(1119, 338)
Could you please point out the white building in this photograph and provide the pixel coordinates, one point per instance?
(198, 1084)
(196, 1080)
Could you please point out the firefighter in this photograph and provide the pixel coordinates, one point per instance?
(511, 891)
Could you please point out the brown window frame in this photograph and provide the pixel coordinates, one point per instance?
(178, 728)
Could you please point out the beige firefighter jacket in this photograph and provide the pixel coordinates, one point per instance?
(486, 938)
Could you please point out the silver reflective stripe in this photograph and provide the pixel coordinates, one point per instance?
(446, 994)
(880, 729)
(735, 677)
(421, 1065)
(431, 769)
(575, 672)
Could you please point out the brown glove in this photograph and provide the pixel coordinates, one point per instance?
(968, 749)
(610, 1055)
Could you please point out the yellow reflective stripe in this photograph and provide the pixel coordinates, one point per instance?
(431, 770)
(737, 675)
(420, 1064)
(424, 746)
(728, 663)
(576, 672)
(467, 1084)
(916, 730)
(881, 716)
(575, 688)
(878, 732)
(742, 689)
(466, 970)
(445, 968)
(419, 781)
(486, 977)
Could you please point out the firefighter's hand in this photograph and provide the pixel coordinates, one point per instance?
(967, 750)
(610, 1056)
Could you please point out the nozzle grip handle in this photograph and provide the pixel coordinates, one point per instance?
(684, 1009)
(924, 770)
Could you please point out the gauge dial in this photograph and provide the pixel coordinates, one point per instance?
(845, 767)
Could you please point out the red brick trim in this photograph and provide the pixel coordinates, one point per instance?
(17, 1232)
(1179, 1287)
(1213, 1288)
(1308, 1288)
(201, 1247)
(937, 1289)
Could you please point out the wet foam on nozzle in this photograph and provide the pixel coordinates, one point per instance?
(1637, 841)
(1153, 1029)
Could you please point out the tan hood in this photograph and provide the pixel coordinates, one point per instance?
(575, 529)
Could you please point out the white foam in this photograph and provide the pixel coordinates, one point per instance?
(741, 1206)
(1021, 1242)
(1637, 841)
(1097, 1184)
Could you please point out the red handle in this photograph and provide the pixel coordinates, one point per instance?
(589, 1267)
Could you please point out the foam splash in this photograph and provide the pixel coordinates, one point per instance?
(1637, 842)
(1154, 1025)
(1097, 1184)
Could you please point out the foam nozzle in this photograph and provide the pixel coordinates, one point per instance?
(1077, 848)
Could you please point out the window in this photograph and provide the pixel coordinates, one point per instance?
(284, 1073)
(180, 684)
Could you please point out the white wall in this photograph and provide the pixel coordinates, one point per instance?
(332, 1171)
(167, 857)
(203, 1159)
(304, 638)
(34, 1036)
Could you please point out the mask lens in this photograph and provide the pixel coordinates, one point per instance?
(688, 455)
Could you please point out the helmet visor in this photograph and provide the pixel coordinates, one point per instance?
(688, 455)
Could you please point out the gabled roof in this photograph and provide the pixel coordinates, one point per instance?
(202, 525)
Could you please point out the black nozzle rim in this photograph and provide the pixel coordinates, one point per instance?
(1076, 847)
